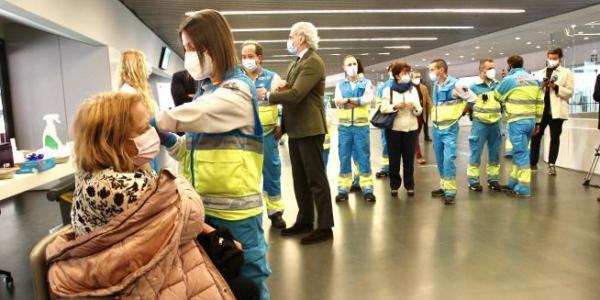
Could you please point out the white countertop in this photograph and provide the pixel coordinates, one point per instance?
(25, 182)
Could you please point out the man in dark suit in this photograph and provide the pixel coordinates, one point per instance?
(301, 96)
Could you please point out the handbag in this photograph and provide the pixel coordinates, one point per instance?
(220, 247)
(384, 121)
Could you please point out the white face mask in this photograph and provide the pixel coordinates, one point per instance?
(433, 76)
(552, 63)
(249, 64)
(416, 81)
(192, 65)
(490, 74)
(405, 79)
(351, 71)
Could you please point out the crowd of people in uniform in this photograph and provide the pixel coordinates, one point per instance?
(226, 143)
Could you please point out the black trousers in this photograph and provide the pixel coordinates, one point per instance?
(311, 186)
(555, 131)
(401, 146)
(426, 127)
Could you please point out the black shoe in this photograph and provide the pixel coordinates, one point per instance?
(297, 229)
(370, 197)
(427, 139)
(355, 188)
(495, 186)
(533, 168)
(449, 200)
(410, 192)
(552, 170)
(381, 174)
(437, 193)
(341, 198)
(394, 193)
(317, 236)
(476, 187)
(277, 220)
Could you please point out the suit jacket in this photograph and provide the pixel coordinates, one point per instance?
(427, 104)
(597, 96)
(303, 109)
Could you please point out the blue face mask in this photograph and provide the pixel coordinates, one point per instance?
(290, 47)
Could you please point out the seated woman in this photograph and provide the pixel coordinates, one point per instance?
(133, 232)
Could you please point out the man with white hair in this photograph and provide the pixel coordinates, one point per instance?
(303, 120)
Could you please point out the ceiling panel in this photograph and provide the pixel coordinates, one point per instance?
(164, 16)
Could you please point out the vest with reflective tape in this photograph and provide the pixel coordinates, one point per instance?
(268, 113)
(486, 111)
(358, 116)
(522, 96)
(447, 110)
(225, 169)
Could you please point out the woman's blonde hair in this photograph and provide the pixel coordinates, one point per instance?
(101, 129)
(134, 72)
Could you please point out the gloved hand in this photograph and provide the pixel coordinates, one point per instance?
(167, 139)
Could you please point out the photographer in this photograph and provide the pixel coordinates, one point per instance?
(558, 88)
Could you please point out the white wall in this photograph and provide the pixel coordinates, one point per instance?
(50, 74)
(105, 22)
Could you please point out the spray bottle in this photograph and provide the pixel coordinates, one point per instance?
(50, 138)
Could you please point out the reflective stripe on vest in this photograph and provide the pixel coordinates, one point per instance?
(358, 116)
(226, 169)
(268, 113)
(446, 110)
(488, 111)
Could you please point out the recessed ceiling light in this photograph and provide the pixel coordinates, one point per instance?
(397, 47)
(490, 51)
(586, 38)
(424, 59)
(462, 56)
(477, 47)
(363, 54)
(517, 38)
(417, 65)
(383, 53)
(449, 63)
(446, 54)
(355, 40)
(528, 43)
(472, 58)
(275, 60)
(370, 11)
(538, 47)
(284, 55)
(335, 54)
(327, 28)
(501, 53)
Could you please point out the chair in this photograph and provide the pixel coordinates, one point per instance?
(63, 194)
(39, 268)
(10, 282)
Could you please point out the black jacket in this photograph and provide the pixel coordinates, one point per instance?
(597, 96)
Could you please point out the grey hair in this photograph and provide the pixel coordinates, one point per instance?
(309, 31)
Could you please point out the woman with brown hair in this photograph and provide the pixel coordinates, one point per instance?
(222, 151)
(401, 98)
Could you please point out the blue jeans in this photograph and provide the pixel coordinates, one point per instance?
(250, 233)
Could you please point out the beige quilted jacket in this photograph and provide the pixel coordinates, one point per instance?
(146, 252)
